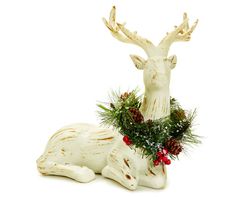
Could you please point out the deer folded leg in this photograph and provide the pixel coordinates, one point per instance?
(78, 173)
(154, 177)
(122, 170)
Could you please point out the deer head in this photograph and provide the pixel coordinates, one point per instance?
(157, 67)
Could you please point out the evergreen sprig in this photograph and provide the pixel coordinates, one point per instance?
(149, 136)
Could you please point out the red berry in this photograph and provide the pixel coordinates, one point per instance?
(128, 143)
(156, 162)
(168, 162)
(165, 159)
(165, 151)
(127, 140)
(159, 154)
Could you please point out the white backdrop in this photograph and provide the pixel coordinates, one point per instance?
(57, 60)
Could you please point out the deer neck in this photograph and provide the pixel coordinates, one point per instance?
(156, 104)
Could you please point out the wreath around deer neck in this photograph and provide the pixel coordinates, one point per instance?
(159, 140)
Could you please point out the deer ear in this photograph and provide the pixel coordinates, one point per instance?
(138, 61)
(172, 60)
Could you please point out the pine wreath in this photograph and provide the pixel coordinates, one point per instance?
(157, 139)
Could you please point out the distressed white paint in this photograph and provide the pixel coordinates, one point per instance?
(157, 68)
(79, 151)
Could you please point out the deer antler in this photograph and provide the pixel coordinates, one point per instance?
(124, 35)
(181, 33)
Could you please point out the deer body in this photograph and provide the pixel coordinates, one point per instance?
(79, 151)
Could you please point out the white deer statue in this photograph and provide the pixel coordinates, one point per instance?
(79, 151)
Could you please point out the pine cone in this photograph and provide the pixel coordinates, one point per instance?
(179, 114)
(173, 146)
(136, 115)
(125, 95)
